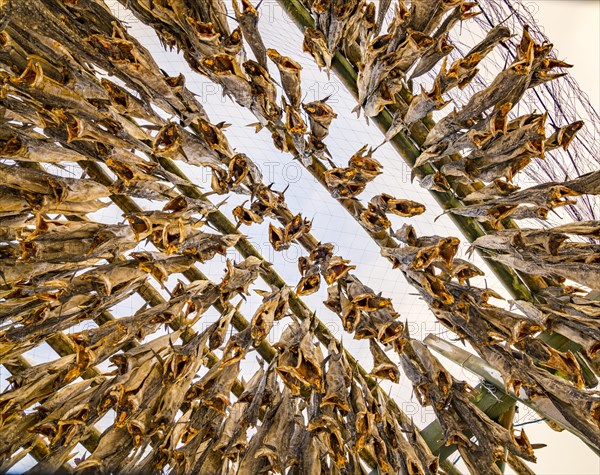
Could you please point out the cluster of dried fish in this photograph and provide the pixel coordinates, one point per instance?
(171, 394)
(417, 36)
(149, 405)
(475, 151)
(430, 265)
(490, 148)
(548, 252)
(457, 413)
(211, 50)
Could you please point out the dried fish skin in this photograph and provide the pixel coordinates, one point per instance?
(289, 71)
(273, 308)
(224, 69)
(320, 115)
(383, 367)
(247, 17)
(399, 207)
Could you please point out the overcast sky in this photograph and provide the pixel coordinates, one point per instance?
(574, 28)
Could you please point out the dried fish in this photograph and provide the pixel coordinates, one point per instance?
(282, 238)
(239, 276)
(399, 207)
(289, 71)
(321, 115)
(225, 70)
(383, 367)
(300, 361)
(247, 17)
(61, 189)
(273, 308)
(315, 43)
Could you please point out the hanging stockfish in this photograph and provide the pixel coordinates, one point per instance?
(463, 70)
(425, 14)
(383, 367)
(282, 238)
(471, 315)
(584, 270)
(572, 316)
(300, 360)
(170, 413)
(320, 115)
(508, 87)
(266, 200)
(58, 305)
(247, 17)
(264, 91)
(274, 308)
(420, 106)
(136, 392)
(224, 69)
(295, 129)
(386, 59)
(280, 427)
(240, 276)
(382, 11)
(315, 43)
(174, 142)
(310, 277)
(350, 181)
(334, 19)
(337, 380)
(440, 50)
(289, 71)
(59, 188)
(63, 242)
(578, 407)
(399, 207)
(457, 415)
(545, 253)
